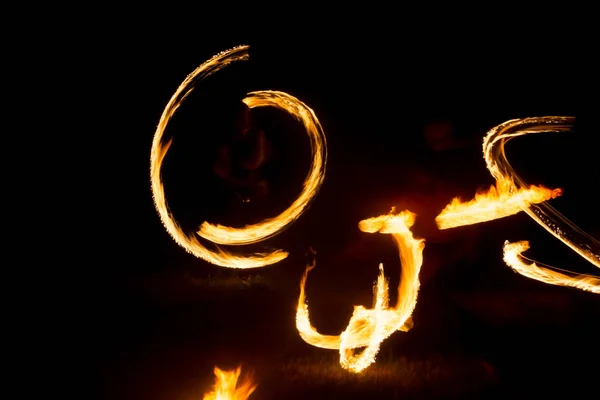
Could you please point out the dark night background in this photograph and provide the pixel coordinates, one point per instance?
(378, 96)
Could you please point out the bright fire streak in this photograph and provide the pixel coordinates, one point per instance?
(542, 213)
(506, 198)
(514, 259)
(497, 202)
(227, 388)
(271, 226)
(368, 328)
(508, 182)
(249, 234)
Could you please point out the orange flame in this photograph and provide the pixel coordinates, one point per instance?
(368, 328)
(514, 259)
(227, 388)
(497, 202)
(512, 195)
(252, 233)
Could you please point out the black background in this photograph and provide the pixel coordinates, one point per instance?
(375, 92)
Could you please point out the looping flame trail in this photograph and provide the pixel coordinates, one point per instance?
(253, 233)
(512, 193)
(226, 387)
(270, 227)
(370, 327)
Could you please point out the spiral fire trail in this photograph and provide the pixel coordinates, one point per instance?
(270, 227)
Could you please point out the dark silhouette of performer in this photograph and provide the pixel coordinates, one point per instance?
(240, 163)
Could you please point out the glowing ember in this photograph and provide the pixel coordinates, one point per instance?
(368, 328)
(512, 195)
(227, 388)
(252, 233)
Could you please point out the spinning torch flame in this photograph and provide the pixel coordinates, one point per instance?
(252, 233)
(368, 328)
(511, 195)
(513, 258)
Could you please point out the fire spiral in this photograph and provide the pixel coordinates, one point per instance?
(254, 233)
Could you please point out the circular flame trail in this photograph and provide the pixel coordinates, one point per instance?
(368, 328)
(252, 233)
(512, 195)
(271, 226)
